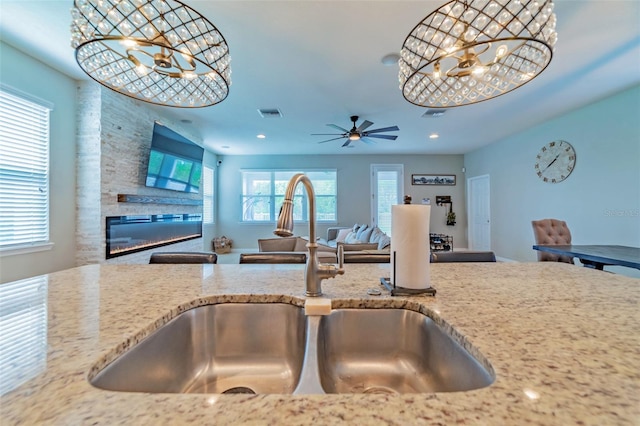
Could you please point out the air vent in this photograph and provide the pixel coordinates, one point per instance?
(439, 112)
(269, 113)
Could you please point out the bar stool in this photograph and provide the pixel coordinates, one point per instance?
(273, 257)
(183, 257)
(462, 256)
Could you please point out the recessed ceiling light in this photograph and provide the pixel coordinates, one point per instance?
(434, 136)
(260, 136)
(390, 59)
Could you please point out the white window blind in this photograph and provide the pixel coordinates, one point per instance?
(24, 170)
(207, 194)
(23, 331)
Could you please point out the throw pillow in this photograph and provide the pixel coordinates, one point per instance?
(365, 235)
(356, 227)
(384, 242)
(342, 235)
(351, 238)
(360, 231)
(376, 235)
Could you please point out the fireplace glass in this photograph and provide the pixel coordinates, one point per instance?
(131, 234)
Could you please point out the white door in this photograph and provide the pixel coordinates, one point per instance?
(387, 189)
(479, 212)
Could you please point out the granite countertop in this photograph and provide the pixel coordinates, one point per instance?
(563, 340)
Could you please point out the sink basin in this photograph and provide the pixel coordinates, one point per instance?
(275, 348)
(223, 348)
(392, 351)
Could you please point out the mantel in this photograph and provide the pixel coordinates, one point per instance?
(151, 199)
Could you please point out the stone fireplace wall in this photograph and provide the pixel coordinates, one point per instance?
(114, 137)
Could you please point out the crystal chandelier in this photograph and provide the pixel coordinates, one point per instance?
(157, 51)
(471, 51)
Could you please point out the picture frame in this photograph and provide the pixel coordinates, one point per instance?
(422, 179)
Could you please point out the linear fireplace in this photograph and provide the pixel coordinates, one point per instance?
(131, 234)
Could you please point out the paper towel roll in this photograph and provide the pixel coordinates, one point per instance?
(410, 248)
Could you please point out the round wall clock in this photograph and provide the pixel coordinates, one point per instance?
(555, 161)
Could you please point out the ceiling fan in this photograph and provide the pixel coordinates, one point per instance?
(358, 133)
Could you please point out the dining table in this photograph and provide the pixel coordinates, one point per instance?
(597, 256)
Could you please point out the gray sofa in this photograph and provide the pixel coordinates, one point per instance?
(357, 237)
(361, 243)
(355, 252)
(326, 254)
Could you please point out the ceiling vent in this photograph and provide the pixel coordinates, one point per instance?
(431, 112)
(269, 113)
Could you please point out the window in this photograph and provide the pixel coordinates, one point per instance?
(207, 194)
(263, 193)
(24, 171)
(387, 189)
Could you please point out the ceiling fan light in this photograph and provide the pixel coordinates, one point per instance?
(354, 137)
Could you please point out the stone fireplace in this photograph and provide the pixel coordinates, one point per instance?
(114, 135)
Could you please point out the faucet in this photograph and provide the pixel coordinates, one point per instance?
(315, 271)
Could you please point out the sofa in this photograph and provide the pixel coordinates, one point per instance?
(361, 243)
(276, 246)
(357, 238)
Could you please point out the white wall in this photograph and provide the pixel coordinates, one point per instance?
(600, 200)
(354, 205)
(32, 76)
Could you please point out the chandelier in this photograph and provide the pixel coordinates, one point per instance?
(471, 51)
(157, 51)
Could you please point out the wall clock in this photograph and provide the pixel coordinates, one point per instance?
(555, 161)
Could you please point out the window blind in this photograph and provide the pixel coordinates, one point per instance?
(23, 331)
(24, 171)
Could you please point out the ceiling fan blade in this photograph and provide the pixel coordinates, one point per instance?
(329, 140)
(342, 129)
(346, 144)
(390, 137)
(365, 124)
(328, 134)
(368, 141)
(384, 129)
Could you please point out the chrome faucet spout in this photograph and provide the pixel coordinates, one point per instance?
(315, 272)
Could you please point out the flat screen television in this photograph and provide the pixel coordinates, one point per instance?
(175, 162)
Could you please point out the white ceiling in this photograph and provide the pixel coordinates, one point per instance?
(319, 62)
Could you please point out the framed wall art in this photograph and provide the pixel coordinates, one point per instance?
(433, 179)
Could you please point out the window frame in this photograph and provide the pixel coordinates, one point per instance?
(44, 144)
(274, 199)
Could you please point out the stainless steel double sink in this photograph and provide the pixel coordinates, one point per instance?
(275, 348)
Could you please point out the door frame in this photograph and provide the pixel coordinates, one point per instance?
(374, 169)
(471, 207)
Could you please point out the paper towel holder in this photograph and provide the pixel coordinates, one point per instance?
(402, 291)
